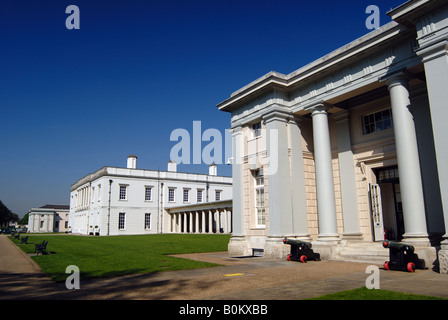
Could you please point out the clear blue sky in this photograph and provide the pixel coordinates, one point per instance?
(73, 101)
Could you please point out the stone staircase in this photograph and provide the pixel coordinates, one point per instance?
(365, 252)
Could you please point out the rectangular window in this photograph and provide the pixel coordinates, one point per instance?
(99, 193)
(123, 192)
(199, 195)
(171, 194)
(147, 221)
(186, 195)
(93, 195)
(256, 130)
(387, 174)
(260, 212)
(121, 220)
(377, 121)
(148, 193)
(217, 195)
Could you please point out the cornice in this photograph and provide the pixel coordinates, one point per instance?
(274, 80)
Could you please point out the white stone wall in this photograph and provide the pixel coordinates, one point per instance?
(92, 213)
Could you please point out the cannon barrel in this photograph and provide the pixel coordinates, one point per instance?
(395, 245)
(296, 242)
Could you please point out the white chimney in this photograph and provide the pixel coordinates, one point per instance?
(213, 170)
(172, 166)
(132, 161)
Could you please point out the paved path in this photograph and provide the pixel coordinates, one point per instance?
(237, 279)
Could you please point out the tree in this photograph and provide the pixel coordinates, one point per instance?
(24, 220)
(6, 215)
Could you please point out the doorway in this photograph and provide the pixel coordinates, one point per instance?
(389, 184)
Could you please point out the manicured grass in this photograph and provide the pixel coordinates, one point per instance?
(121, 255)
(375, 294)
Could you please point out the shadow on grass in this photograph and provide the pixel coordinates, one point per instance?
(17, 286)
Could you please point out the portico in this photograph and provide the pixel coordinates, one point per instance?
(334, 128)
(213, 217)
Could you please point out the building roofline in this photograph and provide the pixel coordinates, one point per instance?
(201, 206)
(47, 208)
(278, 80)
(105, 172)
(411, 11)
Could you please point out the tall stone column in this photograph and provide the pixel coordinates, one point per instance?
(196, 222)
(218, 221)
(326, 207)
(184, 216)
(210, 221)
(224, 220)
(297, 180)
(347, 178)
(435, 59)
(202, 221)
(238, 242)
(408, 161)
(277, 172)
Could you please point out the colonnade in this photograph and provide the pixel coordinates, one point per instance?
(407, 157)
(202, 221)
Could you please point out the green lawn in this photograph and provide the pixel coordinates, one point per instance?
(121, 255)
(366, 294)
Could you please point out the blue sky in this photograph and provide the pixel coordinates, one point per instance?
(73, 101)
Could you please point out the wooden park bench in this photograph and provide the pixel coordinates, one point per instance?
(17, 236)
(24, 240)
(42, 247)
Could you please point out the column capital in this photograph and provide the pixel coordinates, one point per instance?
(319, 108)
(277, 115)
(400, 77)
(433, 50)
(238, 129)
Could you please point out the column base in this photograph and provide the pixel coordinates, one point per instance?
(420, 240)
(331, 239)
(274, 248)
(352, 237)
(328, 250)
(302, 237)
(238, 247)
(443, 257)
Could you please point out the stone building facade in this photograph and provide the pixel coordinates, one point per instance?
(349, 148)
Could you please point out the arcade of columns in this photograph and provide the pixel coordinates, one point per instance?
(213, 220)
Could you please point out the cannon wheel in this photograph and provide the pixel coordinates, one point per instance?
(288, 257)
(386, 265)
(411, 267)
(303, 259)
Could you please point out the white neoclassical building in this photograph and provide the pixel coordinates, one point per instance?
(48, 218)
(351, 148)
(125, 201)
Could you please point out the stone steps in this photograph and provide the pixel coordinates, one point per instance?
(363, 252)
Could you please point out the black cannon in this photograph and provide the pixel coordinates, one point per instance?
(301, 251)
(402, 257)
